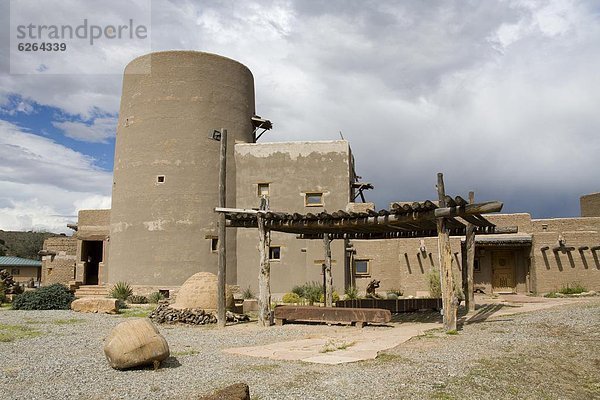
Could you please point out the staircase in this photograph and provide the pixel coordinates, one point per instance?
(91, 291)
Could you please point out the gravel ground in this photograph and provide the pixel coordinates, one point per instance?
(550, 354)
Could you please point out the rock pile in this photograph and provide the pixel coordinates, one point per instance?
(165, 314)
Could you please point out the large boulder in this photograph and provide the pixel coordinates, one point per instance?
(238, 391)
(96, 305)
(200, 291)
(134, 343)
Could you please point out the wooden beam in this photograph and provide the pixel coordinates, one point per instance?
(469, 268)
(449, 300)
(222, 272)
(327, 271)
(264, 276)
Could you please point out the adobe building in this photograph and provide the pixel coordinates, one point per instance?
(162, 228)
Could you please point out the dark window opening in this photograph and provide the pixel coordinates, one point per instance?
(361, 267)
(275, 253)
(160, 179)
(214, 244)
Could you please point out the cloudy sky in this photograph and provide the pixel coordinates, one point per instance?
(501, 96)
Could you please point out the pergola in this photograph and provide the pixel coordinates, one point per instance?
(449, 216)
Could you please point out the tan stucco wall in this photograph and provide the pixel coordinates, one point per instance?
(25, 273)
(399, 264)
(292, 169)
(555, 270)
(61, 267)
(159, 231)
(590, 205)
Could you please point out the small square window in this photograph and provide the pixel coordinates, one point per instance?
(263, 189)
(160, 179)
(275, 253)
(15, 271)
(214, 244)
(313, 199)
(361, 267)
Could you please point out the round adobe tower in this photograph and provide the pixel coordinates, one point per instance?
(166, 170)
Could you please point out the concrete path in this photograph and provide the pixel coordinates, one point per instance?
(341, 345)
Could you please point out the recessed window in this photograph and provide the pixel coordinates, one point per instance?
(275, 253)
(160, 179)
(476, 265)
(15, 271)
(214, 244)
(263, 189)
(361, 267)
(313, 199)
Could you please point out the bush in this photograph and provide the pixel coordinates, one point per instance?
(137, 299)
(2, 293)
(311, 291)
(121, 291)
(248, 294)
(397, 292)
(575, 288)
(351, 293)
(291, 298)
(53, 297)
(336, 297)
(435, 286)
(392, 296)
(155, 297)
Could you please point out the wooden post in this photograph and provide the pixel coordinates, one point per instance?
(449, 301)
(264, 277)
(468, 269)
(327, 271)
(222, 273)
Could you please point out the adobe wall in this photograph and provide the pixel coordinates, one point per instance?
(61, 267)
(292, 169)
(399, 264)
(590, 205)
(553, 270)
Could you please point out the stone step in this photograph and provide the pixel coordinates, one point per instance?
(92, 291)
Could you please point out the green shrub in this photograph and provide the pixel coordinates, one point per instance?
(351, 293)
(291, 298)
(397, 292)
(392, 296)
(335, 295)
(53, 297)
(121, 291)
(551, 295)
(248, 294)
(435, 286)
(2, 293)
(574, 288)
(155, 297)
(137, 299)
(311, 291)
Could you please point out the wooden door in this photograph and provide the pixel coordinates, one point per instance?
(503, 272)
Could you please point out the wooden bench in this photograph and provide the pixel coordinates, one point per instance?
(335, 315)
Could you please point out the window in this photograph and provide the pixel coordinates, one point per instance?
(313, 199)
(263, 189)
(361, 267)
(214, 244)
(476, 265)
(275, 253)
(15, 271)
(160, 179)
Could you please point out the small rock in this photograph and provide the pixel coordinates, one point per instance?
(238, 391)
(95, 305)
(134, 343)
